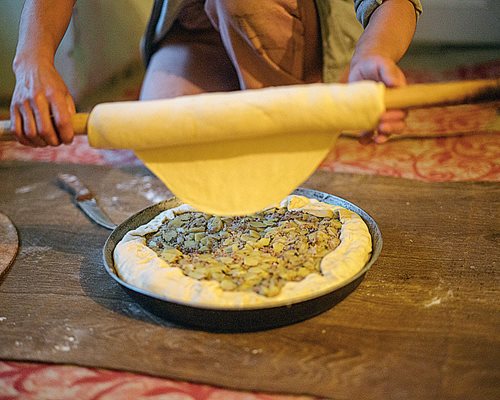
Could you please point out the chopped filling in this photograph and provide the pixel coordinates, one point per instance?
(259, 253)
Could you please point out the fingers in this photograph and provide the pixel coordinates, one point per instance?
(373, 137)
(38, 122)
(392, 122)
(29, 129)
(62, 109)
(16, 126)
(41, 106)
(44, 125)
(366, 70)
(391, 75)
(366, 137)
(379, 69)
(71, 104)
(393, 115)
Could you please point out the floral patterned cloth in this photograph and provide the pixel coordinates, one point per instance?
(29, 381)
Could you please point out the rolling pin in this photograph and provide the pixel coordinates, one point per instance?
(406, 97)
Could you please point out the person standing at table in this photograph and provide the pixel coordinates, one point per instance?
(196, 46)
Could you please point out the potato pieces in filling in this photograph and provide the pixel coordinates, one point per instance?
(259, 253)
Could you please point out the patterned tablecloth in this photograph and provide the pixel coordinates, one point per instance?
(440, 144)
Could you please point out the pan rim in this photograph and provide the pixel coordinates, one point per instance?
(135, 221)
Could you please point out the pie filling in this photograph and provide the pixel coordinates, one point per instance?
(258, 253)
(291, 251)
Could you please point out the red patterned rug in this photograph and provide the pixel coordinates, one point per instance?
(29, 381)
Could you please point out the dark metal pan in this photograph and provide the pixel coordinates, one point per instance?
(226, 319)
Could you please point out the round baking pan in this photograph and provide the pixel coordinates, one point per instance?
(254, 318)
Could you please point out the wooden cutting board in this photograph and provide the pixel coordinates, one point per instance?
(9, 243)
(422, 324)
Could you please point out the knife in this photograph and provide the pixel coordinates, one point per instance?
(85, 200)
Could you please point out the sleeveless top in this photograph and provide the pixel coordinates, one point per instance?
(341, 25)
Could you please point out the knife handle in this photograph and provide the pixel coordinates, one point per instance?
(74, 186)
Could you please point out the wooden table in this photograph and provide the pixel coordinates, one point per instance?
(422, 325)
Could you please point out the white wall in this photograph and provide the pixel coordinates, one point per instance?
(9, 21)
(102, 39)
(460, 22)
(106, 37)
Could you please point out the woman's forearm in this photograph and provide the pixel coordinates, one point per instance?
(389, 31)
(42, 27)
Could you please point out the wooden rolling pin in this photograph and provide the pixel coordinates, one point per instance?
(410, 96)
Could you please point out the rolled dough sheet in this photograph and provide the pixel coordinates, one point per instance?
(236, 153)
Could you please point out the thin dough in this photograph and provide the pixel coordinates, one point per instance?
(236, 153)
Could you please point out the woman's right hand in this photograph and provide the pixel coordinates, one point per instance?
(41, 106)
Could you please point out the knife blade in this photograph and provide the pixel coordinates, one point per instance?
(84, 198)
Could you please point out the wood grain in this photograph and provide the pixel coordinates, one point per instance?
(423, 324)
(9, 243)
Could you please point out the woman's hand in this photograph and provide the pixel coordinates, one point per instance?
(385, 70)
(384, 41)
(41, 106)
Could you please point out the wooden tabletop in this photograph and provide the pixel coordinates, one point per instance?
(423, 324)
